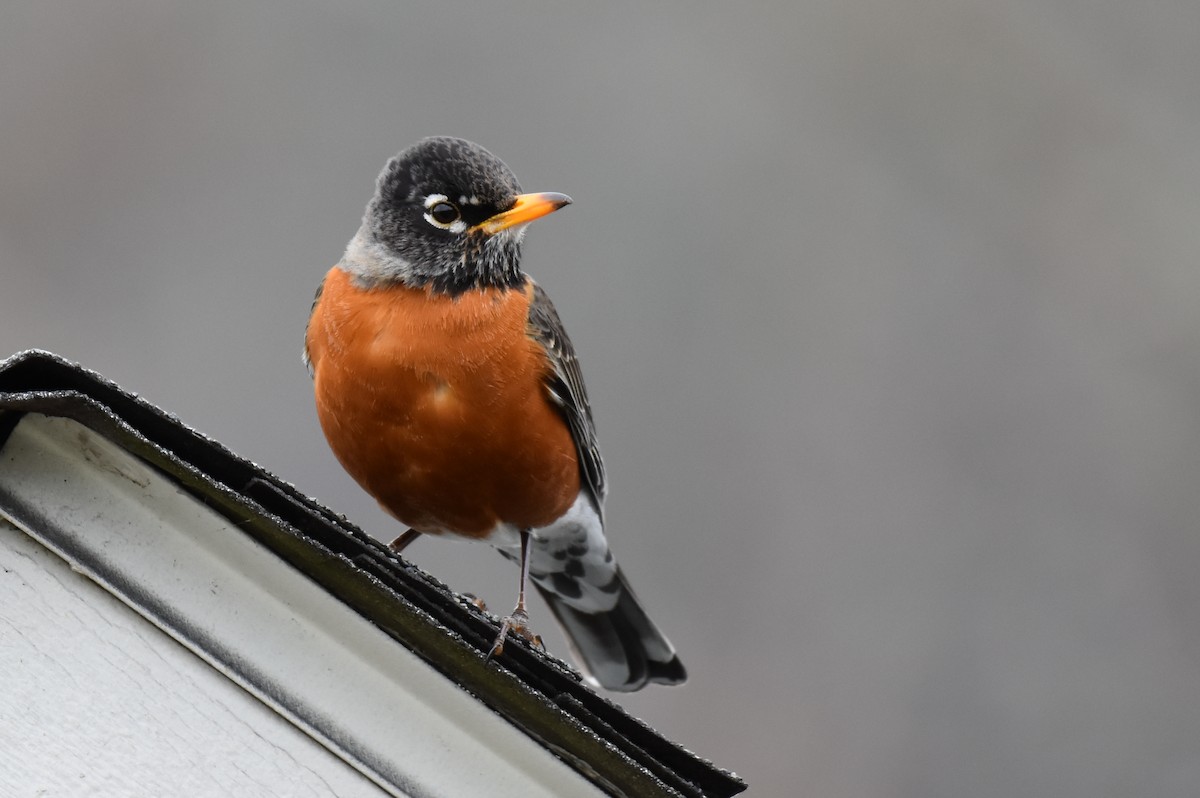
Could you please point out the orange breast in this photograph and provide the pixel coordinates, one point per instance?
(436, 406)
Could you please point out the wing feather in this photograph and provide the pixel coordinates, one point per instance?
(566, 389)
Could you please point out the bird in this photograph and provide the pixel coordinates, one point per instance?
(446, 386)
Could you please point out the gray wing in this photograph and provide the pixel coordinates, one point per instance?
(607, 628)
(566, 389)
(304, 355)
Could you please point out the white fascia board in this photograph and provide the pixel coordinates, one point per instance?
(98, 702)
(266, 626)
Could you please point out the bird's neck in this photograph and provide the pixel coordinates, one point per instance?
(493, 263)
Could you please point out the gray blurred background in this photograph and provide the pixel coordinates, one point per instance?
(888, 311)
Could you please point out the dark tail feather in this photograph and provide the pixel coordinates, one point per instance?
(620, 648)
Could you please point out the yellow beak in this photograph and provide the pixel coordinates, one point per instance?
(527, 208)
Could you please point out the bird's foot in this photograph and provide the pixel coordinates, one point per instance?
(479, 603)
(517, 623)
(401, 543)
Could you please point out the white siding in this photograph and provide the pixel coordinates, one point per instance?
(97, 701)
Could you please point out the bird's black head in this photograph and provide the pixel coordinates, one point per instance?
(448, 215)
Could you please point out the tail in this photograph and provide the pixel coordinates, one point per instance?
(620, 648)
(612, 639)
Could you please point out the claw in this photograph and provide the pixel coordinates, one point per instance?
(518, 624)
(476, 600)
(518, 621)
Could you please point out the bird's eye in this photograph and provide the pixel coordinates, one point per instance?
(443, 213)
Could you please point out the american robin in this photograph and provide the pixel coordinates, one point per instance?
(448, 388)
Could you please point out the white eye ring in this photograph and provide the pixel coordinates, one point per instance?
(455, 225)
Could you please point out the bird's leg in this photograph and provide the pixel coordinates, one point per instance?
(518, 621)
(401, 543)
